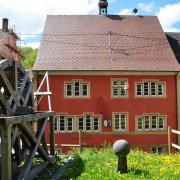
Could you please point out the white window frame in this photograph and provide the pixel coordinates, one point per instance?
(149, 90)
(73, 88)
(158, 150)
(151, 123)
(119, 121)
(119, 87)
(92, 117)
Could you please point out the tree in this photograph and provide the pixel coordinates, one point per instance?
(29, 57)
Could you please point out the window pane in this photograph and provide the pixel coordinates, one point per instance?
(115, 83)
(122, 92)
(146, 88)
(96, 123)
(69, 90)
(140, 123)
(123, 124)
(122, 83)
(161, 123)
(85, 89)
(115, 91)
(146, 122)
(80, 123)
(160, 89)
(154, 150)
(55, 124)
(153, 88)
(77, 88)
(62, 123)
(116, 122)
(139, 89)
(160, 150)
(88, 122)
(154, 122)
(69, 123)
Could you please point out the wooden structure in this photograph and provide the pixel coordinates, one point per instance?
(8, 43)
(20, 143)
(170, 144)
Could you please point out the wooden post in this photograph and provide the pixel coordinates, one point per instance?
(51, 129)
(6, 152)
(169, 139)
(80, 140)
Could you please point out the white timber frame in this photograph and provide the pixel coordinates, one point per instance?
(48, 93)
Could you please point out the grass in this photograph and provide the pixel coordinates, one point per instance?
(102, 164)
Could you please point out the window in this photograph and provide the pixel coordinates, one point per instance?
(150, 122)
(161, 122)
(89, 123)
(150, 89)
(120, 121)
(157, 150)
(63, 123)
(139, 89)
(77, 89)
(140, 123)
(55, 124)
(119, 88)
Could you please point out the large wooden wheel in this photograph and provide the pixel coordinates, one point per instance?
(15, 89)
(16, 103)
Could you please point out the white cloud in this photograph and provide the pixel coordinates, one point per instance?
(146, 7)
(125, 12)
(29, 16)
(169, 15)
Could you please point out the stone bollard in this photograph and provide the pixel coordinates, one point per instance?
(121, 148)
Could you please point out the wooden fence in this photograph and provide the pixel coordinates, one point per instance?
(80, 145)
(170, 144)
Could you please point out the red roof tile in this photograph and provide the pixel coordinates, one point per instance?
(81, 42)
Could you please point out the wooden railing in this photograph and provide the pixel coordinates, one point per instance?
(170, 144)
(58, 146)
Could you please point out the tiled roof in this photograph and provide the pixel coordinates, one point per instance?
(174, 40)
(82, 42)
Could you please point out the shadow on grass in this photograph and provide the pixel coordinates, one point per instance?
(74, 169)
(138, 172)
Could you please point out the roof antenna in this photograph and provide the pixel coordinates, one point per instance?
(135, 11)
(110, 33)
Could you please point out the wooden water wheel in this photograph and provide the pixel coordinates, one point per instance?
(19, 141)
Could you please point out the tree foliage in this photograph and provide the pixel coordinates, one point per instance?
(29, 57)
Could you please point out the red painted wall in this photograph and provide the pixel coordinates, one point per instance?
(100, 86)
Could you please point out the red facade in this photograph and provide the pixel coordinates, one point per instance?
(101, 103)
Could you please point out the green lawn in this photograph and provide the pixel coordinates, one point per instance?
(102, 165)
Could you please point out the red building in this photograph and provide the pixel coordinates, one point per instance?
(8, 46)
(114, 77)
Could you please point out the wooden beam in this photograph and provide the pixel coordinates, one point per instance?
(14, 135)
(9, 87)
(28, 161)
(6, 152)
(24, 118)
(52, 140)
(31, 136)
(36, 170)
(14, 75)
(6, 104)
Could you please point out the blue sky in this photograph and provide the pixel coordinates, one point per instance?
(29, 16)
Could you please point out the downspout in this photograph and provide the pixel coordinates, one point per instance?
(178, 105)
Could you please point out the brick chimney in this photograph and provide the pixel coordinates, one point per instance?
(5, 25)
